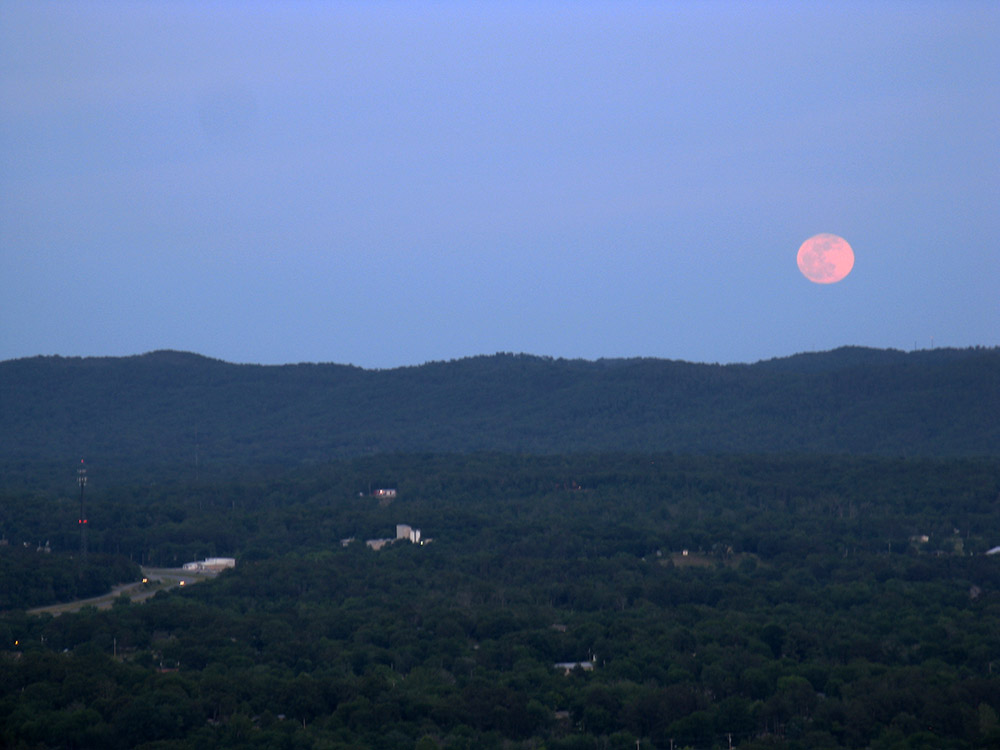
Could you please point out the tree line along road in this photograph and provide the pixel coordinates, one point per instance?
(153, 580)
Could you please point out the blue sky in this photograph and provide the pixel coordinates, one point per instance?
(389, 183)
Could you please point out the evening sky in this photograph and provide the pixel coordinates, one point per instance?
(388, 183)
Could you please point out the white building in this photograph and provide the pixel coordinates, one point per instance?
(407, 532)
(568, 666)
(210, 565)
(404, 533)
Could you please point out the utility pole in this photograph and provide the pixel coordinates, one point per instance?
(81, 478)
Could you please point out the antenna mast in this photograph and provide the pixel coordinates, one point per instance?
(81, 478)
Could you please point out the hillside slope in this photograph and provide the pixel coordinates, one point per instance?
(176, 407)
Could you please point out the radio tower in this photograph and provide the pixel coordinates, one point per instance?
(81, 477)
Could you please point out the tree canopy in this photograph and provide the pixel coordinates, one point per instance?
(763, 601)
(196, 414)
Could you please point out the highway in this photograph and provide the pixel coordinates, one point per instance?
(159, 579)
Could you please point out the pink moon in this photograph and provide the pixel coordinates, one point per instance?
(825, 258)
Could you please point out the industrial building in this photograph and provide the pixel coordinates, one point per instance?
(210, 565)
(404, 533)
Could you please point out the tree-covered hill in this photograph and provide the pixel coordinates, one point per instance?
(184, 408)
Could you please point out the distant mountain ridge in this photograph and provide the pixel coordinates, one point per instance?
(168, 406)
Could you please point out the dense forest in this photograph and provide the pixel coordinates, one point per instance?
(615, 554)
(752, 601)
(190, 412)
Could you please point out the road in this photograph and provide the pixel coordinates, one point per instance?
(159, 579)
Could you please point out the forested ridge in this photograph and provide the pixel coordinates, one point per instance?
(184, 409)
(824, 602)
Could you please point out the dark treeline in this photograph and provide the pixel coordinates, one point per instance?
(824, 602)
(197, 414)
(31, 576)
(752, 503)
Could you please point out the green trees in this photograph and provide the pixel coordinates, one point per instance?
(30, 577)
(181, 414)
(812, 636)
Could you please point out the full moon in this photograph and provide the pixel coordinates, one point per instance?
(825, 258)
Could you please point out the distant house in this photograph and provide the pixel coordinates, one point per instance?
(384, 493)
(569, 666)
